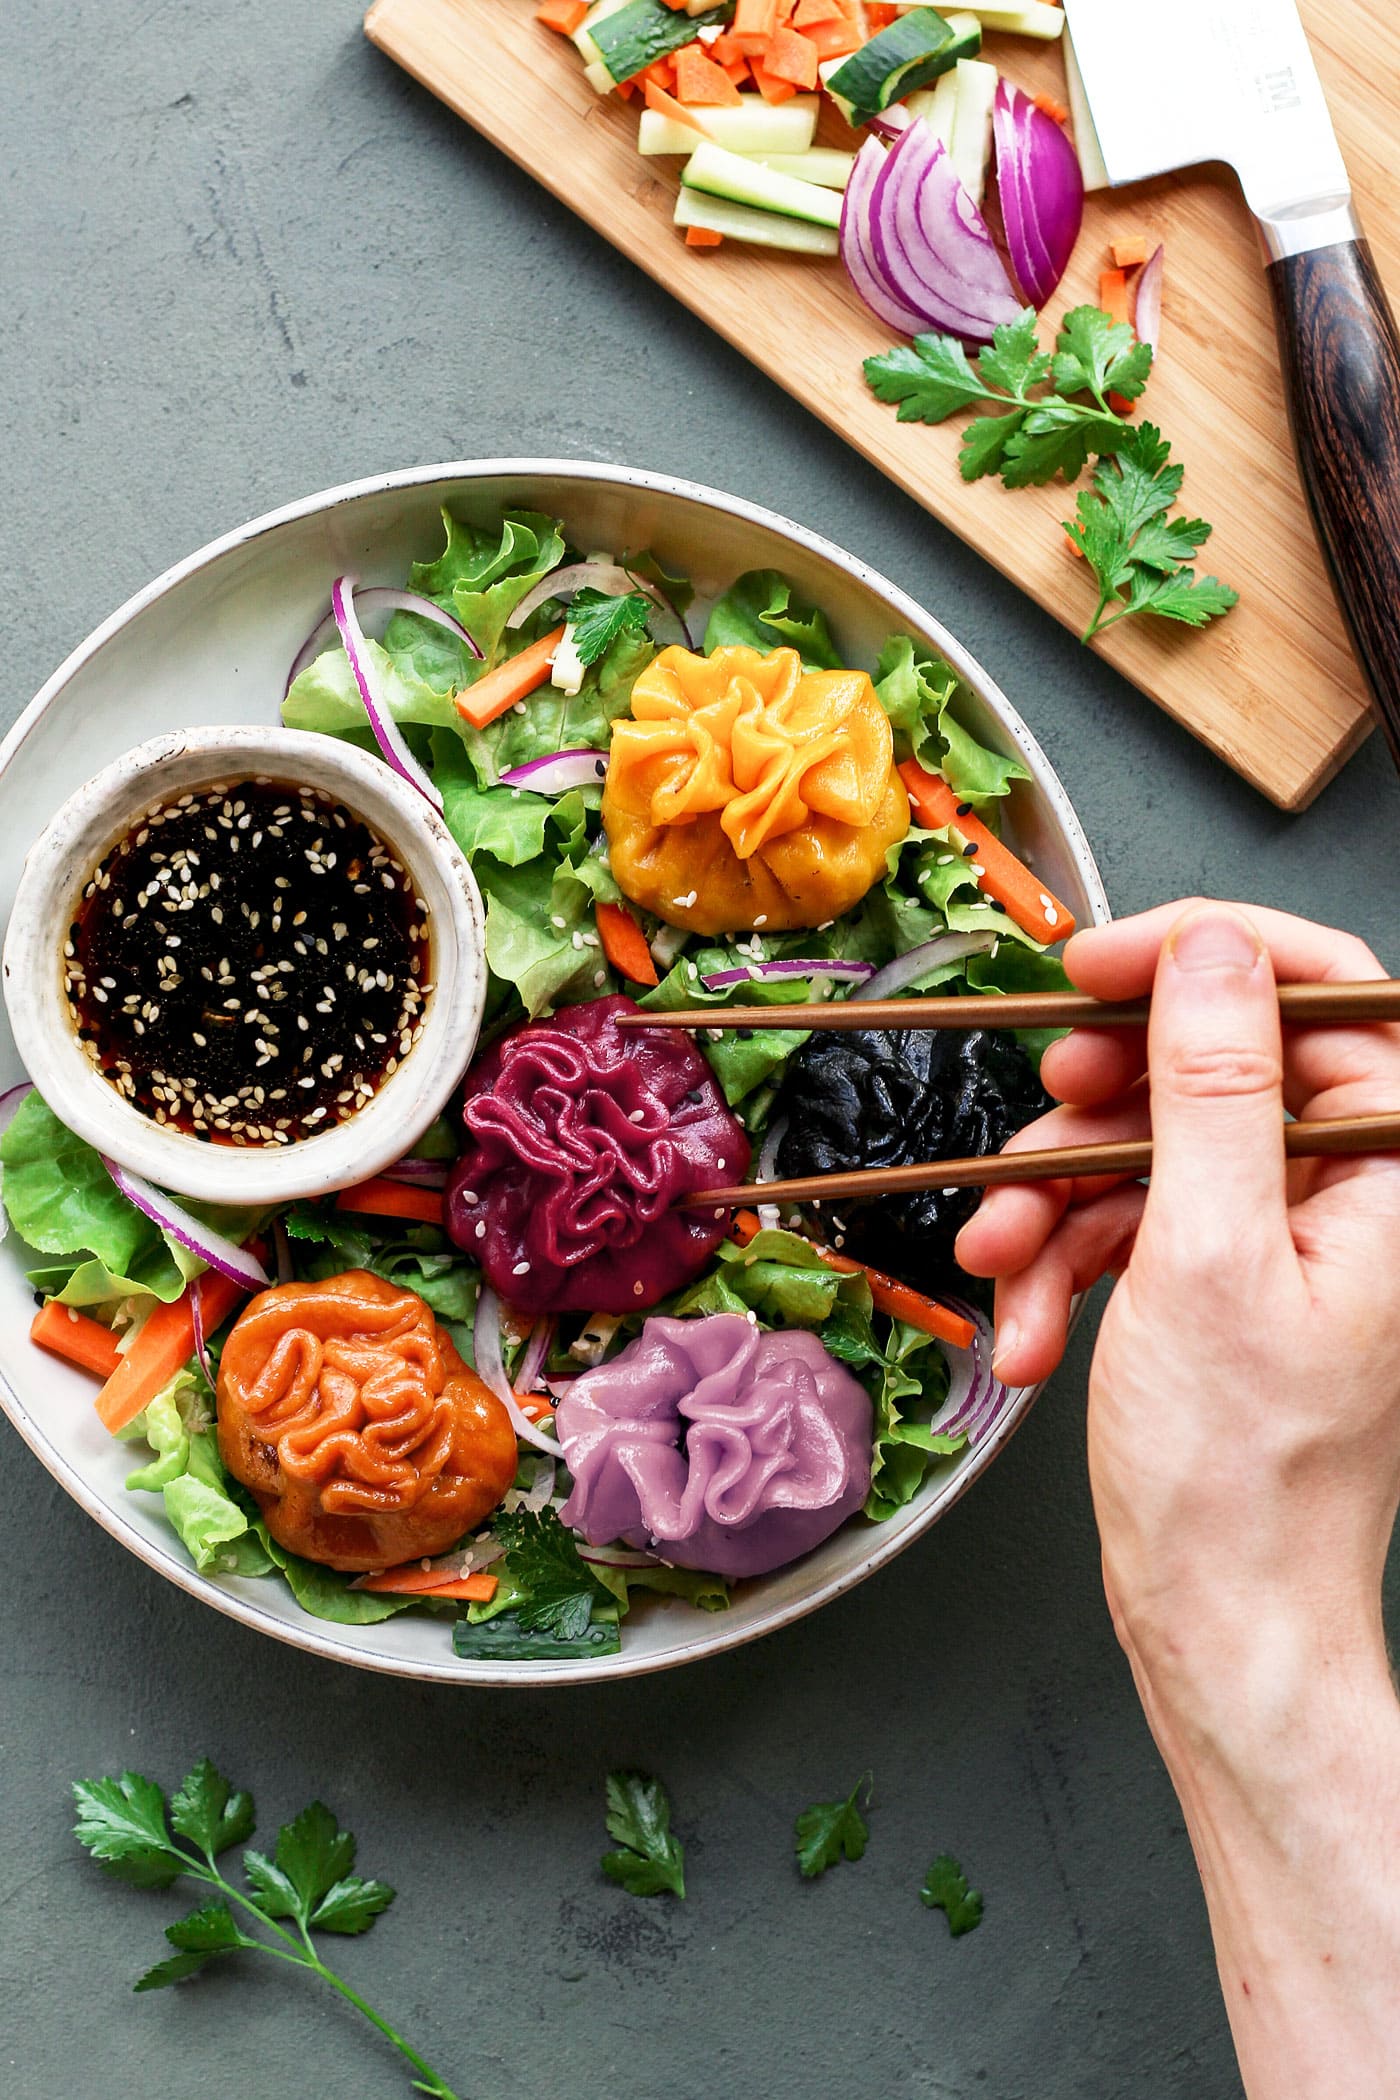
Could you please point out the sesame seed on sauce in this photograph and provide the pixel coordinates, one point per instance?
(234, 991)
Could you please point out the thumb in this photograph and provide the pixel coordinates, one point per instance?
(1215, 1066)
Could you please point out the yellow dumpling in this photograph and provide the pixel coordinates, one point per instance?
(745, 791)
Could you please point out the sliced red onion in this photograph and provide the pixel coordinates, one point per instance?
(387, 733)
(977, 1399)
(618, 1557)
(420, 1173)
(916, 962)
(541, 1489)
(536, 1350)
(789, 966)
(605, 576)
(378, 598)
(284, 1251)
(888, 123)
(490, 1366)
(1040, 185)
(857, 251)
(10, 1101)
(769, 1215)
(231, 1260)
(1147, 313)
(930, 244)
(558, 771)
(201, 1346)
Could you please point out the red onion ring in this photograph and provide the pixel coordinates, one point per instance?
(1147, 312)
(931, 244)
(789, 966)
(558, 771)
(490, 1367)
(916, 962)
(12, 1098)
(377, 598)
(1040, 185)
(419, 1173)
(857, 251)
(609, 577)
(536, 1350)
(201, 1346)
(231, 1260)
(387, 733)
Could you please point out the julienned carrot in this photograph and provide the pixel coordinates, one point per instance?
(563, 15)
(1036, 910)
(1113, 295)
(700, 80)
(624, 943)
(416, 1581)
(702, 237)
(70, 1334)
(792, 57)
(163, 1346)
(1127, 254)
(496, 693)
(890, 1296)
(382, 1198)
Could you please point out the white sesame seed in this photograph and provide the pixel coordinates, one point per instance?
(522, 1268)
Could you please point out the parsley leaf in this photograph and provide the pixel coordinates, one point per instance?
(639, 1817)
(558, 1591)
(126, 1825)
(928, 381)
(945, 1888)
(1097, 355)
(832, 1830)
(1139, 558)
(596, 621)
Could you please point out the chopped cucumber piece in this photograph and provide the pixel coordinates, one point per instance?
(971, 143)
(938, 105)
(824, 165)
(722, 174)
(583, 37)
(755, 126)
(826, 73)
(1030, 18)
(599, 78)
(766, 229)
(631, 38)
(914, 50)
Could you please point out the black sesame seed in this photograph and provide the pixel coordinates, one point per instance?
(969, 852)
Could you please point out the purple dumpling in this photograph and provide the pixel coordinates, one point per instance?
(716, 1445)
(580, 1138)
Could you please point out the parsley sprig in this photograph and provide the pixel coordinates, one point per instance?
(559, 1592)
(829, 1831)
(1053, 413)
(596, 621)
(651, 1858)
(945, 1888)
(131, 1831)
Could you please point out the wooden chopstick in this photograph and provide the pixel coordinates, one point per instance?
(1315, 1004)
(1131, 1157)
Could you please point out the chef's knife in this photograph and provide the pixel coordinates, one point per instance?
(1172, 83)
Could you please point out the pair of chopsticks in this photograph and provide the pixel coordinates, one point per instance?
(1315, 1005)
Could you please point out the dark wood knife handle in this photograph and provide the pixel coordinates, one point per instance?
(1341, 364)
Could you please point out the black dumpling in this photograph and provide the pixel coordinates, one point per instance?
(876, 1098)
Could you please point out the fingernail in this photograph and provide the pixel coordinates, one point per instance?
(1008, 1336)
(1214, 939)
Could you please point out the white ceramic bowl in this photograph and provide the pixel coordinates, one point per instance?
(101, 812)
(225, 624)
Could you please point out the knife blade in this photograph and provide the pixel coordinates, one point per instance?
(1172, 87)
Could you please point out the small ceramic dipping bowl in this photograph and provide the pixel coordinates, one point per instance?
(108, 809)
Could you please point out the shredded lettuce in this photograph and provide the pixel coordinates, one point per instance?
(762, 609)
(917, 690)
(481, 576)
(325, 1242)
(217, 1532)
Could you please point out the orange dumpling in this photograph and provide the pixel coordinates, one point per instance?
(746, 792)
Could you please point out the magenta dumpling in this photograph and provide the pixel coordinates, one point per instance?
(716, 1445)
(579, 1140)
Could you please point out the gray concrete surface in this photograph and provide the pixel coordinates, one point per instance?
(242, 257)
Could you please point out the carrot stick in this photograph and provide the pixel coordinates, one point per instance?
(1053, 107)
(702, 237)
(1113, 295)
(382, 1198)
(1127, 254)
(70, 1334)
(890, 1296)
(624, 943)
(563, 15)
(496, 693)
(162, 1347)
(415, 1581)
(1008, 880)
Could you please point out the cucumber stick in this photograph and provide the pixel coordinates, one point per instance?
(938, 105)
(583, 36)
(754, 127)
(971, 143)
(722, 174)
(766, 229)
(629, 39)
(1029, 18)
(829, 168)
(914, 50)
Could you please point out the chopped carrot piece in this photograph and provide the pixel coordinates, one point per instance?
(163, 1346)
(1004, 878)
(65, 1332)
(808, 12)
(769, 85)
(563, 15)
(662, 71)
(737, 71)
(1120, 404)
(878, 15)
(496, 693)
(624, 943)
(699, 79)
(416, 1581)
(1052, 106)
(667, 106)
(756, 18)
(1074, 548)
(1113, 295)
(792, 56)
(724, 50)
(381, 1198)
(626, 88)
(702, 237)
(891, 1296)
(833, 39)
(1127, 254)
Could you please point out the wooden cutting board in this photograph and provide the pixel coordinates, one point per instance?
(1273, 689)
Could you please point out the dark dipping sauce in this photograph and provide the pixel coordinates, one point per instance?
(249, 964)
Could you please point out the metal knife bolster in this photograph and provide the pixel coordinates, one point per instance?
(1301, 228)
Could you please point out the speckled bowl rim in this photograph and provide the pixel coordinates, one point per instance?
(100, 813)
(714, 1637)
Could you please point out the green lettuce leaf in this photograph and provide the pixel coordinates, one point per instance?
(741, 1063)
(326, 698)
(705, 1592)
(917, 690)
(325, 1242)
(762, 609)
(780, 1276)
(483, 573)
(325, 1593)
(187, 1471)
